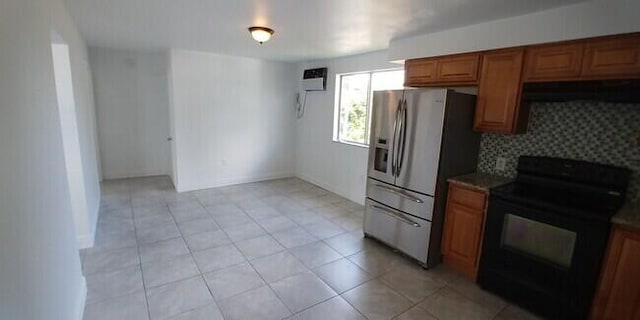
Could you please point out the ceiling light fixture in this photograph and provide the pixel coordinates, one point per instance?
(261, 34)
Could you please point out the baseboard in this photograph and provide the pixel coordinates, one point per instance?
(82, 299)
(329, 188)
(232, 181)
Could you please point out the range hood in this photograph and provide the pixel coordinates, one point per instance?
(597, 90)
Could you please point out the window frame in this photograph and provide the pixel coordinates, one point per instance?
(338, 101)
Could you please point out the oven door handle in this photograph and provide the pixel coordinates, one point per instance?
(397, 215)
(398, 192)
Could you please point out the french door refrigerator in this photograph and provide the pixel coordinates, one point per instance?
(419, 138)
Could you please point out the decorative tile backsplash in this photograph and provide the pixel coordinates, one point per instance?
(599, 132)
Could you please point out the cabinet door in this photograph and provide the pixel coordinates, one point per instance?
(614, 58)
(554, 62)
(462, 237)
(618, 295)
(419, 72)
(498, 106)
(458, 69)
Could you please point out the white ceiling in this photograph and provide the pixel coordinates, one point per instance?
(304, 29)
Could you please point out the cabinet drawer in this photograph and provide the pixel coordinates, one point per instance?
(467, 197)
(618, 57)
(553, 62)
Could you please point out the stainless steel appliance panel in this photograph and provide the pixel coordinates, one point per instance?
(385, 109)
(421, 122)
(413, 203)
(404, 232)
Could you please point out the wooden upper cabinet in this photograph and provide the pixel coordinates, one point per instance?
(419, 71)
(618, 294)
(498, 106)
(617, 57)
(463, 230)
(450, 70)
(553, 62)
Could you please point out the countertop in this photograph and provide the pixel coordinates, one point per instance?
(628, 216)
(480, 181)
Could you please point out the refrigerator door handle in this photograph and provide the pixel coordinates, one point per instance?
(398, 192)
(402, 137)
(394, 168)
(397, 215)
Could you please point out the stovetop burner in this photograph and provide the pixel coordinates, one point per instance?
(579, 188)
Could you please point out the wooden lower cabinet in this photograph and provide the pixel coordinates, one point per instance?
(618, 294)
(463, 229)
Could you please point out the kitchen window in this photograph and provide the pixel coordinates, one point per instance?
(353, 103)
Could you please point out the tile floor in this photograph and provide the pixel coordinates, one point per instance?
(280, 249)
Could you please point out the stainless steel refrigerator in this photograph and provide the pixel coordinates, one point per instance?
(419, 138)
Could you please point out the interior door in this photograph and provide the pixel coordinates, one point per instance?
(385, 108)
(421, 133)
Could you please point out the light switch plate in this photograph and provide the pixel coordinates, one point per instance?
(501, 163)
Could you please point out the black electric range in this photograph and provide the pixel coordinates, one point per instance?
(546, 233)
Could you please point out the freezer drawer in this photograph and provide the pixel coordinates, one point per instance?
(401, 231)
(410, 202)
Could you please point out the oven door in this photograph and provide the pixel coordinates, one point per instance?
(546, 261)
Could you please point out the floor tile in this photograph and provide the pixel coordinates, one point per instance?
(512, 312)
(233, 280)
(315, 254)
(214, 199)
(348, 243)
(258, 247)
(218, 258)
(184, 215)
(208, 312)
(101, 286)
(129, 307)
(294, 237)
(232, 220)
(262, 213)
(278, 266)
(259, 303)
(206, 240)
(334, 308)
(482, 297)
(330, 212)
(197, 226)
(412, 281)
(301, 291)
(112, 241)
(416, 313)
(184, 205)
(154, 221)
(342, 275)
(376, 262)
(244, 232)
(275, 224)
(148, 210)
(377, 301)
(104, 261)
(114, 224)
(160, 272)
(305, 217)
(224, 210)
(149, 235)
(251, 203)
(324, 229)
(447, 304)
(177, 297)
(163, 250)
(349, 222)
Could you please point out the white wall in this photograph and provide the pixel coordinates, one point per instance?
(582, 20)
(334, 166)
(132, 111)
(39, 263)
(233, 119)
